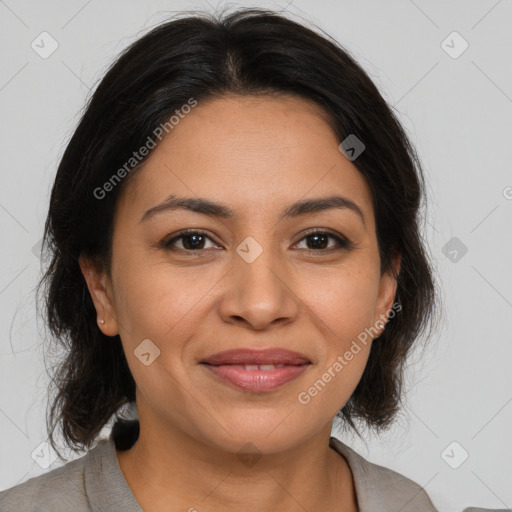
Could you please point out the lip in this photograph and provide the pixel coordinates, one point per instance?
(229, 367)
(252, 356)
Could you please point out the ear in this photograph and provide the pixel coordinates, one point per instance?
(387, 292)
(100, 289)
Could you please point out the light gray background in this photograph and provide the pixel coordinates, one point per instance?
(458, 113)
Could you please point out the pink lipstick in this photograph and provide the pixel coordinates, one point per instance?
(257, 370)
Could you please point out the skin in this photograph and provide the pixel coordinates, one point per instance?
(257, 155)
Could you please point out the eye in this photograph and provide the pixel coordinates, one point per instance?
(191, 240)
(320, 241)
(194, 241)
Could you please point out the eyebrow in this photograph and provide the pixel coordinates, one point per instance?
(215, 209)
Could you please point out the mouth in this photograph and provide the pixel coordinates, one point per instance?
(256, 370)
(246, 356)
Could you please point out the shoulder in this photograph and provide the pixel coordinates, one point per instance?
(61, 489)
(381, 488)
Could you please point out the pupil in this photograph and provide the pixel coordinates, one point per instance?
(195, 244)
(319, 241)
(316, 237)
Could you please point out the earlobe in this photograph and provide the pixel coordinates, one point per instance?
(97, 283)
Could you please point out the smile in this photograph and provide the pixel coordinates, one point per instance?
(250, 377)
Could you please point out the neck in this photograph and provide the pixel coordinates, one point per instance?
(173, 470)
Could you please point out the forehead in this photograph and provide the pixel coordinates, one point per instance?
(255, 153)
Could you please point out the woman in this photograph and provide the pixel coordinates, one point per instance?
(234, 230)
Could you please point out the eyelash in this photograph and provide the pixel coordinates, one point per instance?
(343, 243)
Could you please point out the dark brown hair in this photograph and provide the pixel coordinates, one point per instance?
(201, 56)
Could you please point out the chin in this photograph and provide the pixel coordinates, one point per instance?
(264, 436)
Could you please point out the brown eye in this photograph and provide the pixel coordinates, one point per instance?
(319, 241)
(195, 241)
(191, 240)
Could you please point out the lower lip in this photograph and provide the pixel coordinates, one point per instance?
(256, 380)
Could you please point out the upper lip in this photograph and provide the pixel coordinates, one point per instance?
(257, 357)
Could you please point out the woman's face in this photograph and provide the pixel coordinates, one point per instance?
(257, 280)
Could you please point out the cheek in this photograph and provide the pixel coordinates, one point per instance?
(154, 304)
(155, 301)
(335, 379)
(344, 301)
(344, 305)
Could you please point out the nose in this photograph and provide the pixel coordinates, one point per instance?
(259, 293)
